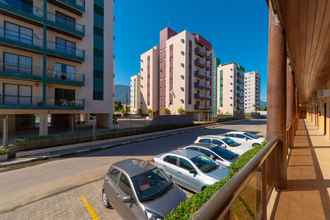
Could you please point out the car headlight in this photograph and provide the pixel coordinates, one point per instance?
(153, 216)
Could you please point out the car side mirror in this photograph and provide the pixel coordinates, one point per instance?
(193, 172)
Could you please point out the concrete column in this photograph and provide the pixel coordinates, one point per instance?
(5, 131)
(289, 98)
(277, 94)
(43, 126)
(72, 122)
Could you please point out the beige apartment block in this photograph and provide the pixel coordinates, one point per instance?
(135, 94)
(251, 92)
(149, 76)
(57, 63)
(231, 89)
(182, 75)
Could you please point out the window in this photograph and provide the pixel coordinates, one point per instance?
(206, 152)
(217, 142)
(16, 63)
(182, 53)
(17, 94)
(182, 64)
(205, 141)
(124, 185)
(64, 71)
(184, 164)
(65, 46)
(182, 40)
(18, 33)
(170, 159)
(114, 175)
(65, 19)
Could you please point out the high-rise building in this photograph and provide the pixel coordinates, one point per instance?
(251, 92)
(57, 62)
(135, 94)
(185, 69)
(230, 78)
(149, 73)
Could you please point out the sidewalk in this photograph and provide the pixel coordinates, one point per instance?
(87, 147)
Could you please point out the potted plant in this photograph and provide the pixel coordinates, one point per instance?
(3, 154)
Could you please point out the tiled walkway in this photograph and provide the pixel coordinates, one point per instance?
(308, 192)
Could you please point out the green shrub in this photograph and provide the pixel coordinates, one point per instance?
(3, 151)
(186, 209)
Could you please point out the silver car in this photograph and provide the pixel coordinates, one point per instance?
(139, 190)
(191, 169)
(215, 152)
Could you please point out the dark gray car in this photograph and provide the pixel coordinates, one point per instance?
(139, 190)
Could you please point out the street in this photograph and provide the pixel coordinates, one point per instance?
(70, 188)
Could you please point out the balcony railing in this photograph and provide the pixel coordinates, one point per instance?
(247, 194)
(202, 108)
(61, 51)
(22, 10)
(199, 63)
(74, 79)
(200, 52)
(200, 96)
(31, 102)
(20, 72)
(77, 6)
(22, 41)
(202, 86)
(73, 28)
(198, 74)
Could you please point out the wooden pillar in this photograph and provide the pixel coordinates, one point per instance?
(277, 94)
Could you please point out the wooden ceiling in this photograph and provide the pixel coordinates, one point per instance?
(307, 30)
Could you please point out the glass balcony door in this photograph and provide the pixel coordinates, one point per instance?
(17, 64)
(14, 94)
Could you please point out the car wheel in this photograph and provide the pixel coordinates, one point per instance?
(105, 200)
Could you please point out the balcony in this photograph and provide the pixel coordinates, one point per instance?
(202, 86)
(20, 72)
(23, 11)
(31, 102)
(75, 6)
(200, 96)
(202, 108)
(70, 53)
(198, 74)
(200, 52)
(71, 79)
(199, 63)
(17, 40)
(72, 28)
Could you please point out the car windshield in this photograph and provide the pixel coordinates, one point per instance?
(151, 184)
(251, 135)
(225, 154)
(204, 163)
(231, 142)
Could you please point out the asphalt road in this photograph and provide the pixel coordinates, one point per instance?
(70, 188)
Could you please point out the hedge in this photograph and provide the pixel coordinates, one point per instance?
(39, 142)
(186, 209)
(3, 151)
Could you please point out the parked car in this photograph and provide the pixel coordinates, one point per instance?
(215, 152)
(139, 190)
(191, 169)
(226, 142)
(245, 137)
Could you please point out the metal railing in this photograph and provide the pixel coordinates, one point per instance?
(20, 71)
(68, 52)
(36, 102)
(66, 26)
(199, 63)
(63, 77)
(23, 9)
(21, 40)
(78, 4)
(247, 194)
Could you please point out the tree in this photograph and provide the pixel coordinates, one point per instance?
(118, 107)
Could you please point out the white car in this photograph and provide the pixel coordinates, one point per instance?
(191, 169)
(226, 142)
(215, 152)
(245, 137)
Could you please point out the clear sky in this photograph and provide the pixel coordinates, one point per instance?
(238, 30)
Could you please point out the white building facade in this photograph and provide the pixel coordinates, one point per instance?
(135, 94)
(251, 92)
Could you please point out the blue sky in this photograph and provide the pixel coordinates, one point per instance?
(237, 29)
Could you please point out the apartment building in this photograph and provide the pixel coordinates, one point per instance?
(215, 86)
(57, 62)
(251, 92)
(135, 94)
(230, 95)
(149, 78)
(184, 68)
